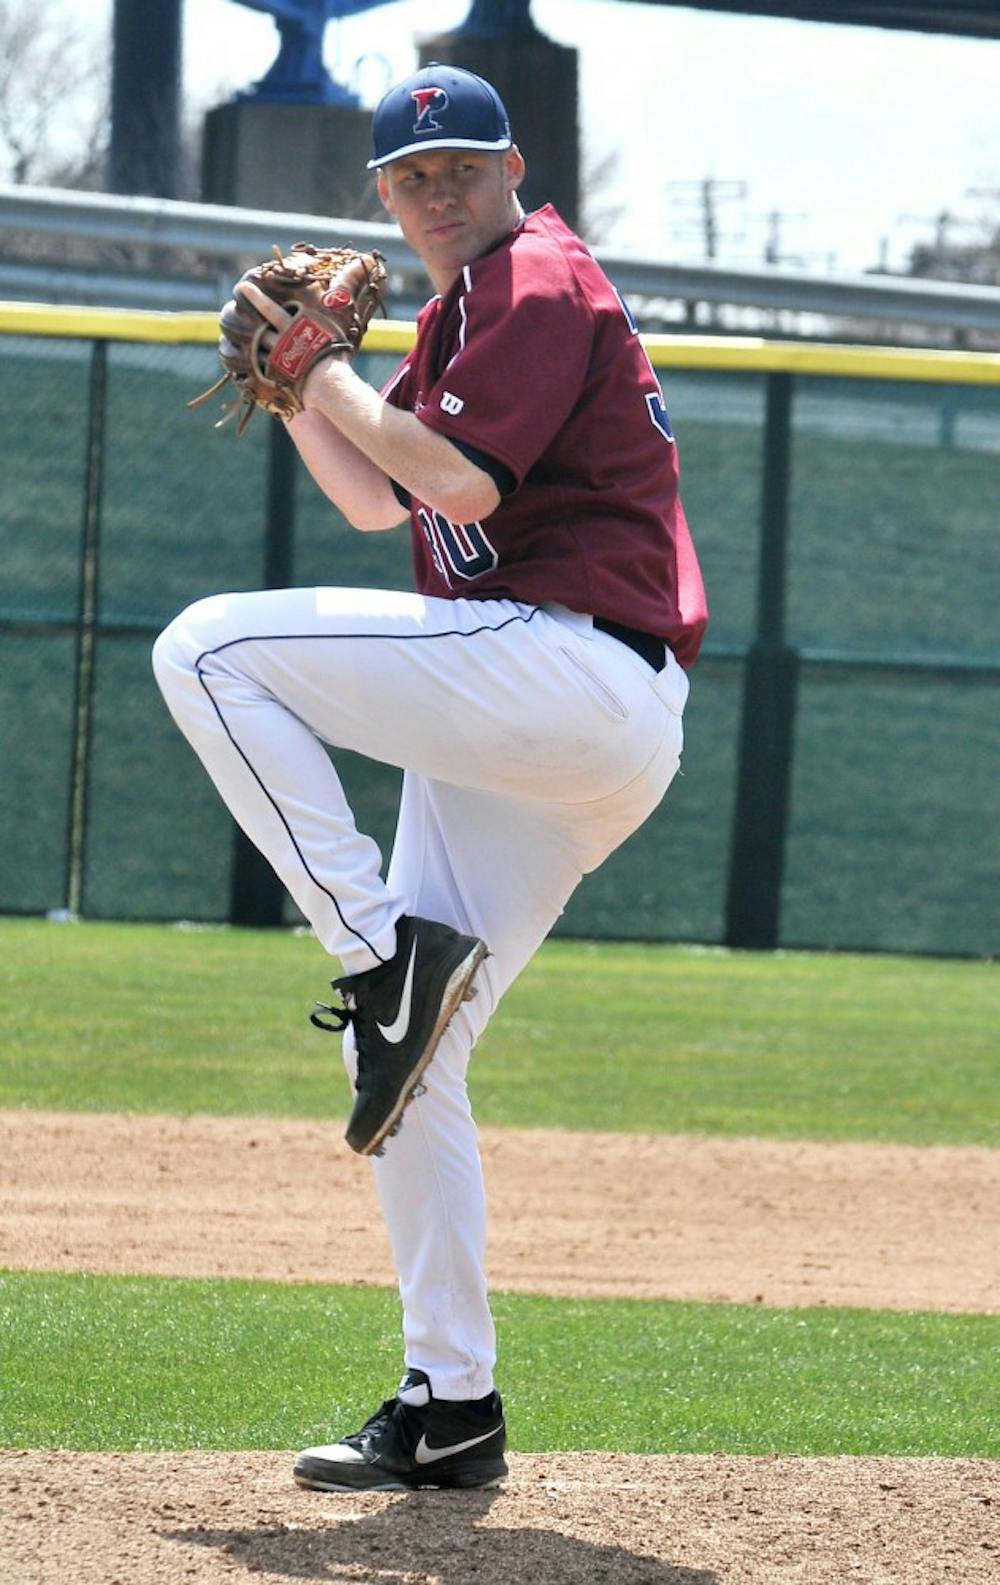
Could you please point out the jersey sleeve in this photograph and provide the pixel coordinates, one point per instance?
(524, 344)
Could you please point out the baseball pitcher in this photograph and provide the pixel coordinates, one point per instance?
(531, 689)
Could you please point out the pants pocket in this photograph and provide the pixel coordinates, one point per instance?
(672, 686)
(598, 689)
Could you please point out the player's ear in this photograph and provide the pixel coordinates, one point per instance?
(514, 167)
(382, 187)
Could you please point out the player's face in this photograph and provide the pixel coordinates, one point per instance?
(452, 205)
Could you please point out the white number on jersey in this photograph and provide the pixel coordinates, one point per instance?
(463, 547)
(658, 416)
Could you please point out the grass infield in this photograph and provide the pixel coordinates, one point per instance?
(100, 1363)
(154, 1018)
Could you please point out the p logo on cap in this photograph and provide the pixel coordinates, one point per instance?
(427, 101)
(438, 107)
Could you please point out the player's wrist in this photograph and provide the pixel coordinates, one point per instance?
(324, 380)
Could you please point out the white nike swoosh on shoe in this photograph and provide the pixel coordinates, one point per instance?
(430, 1455)
(396, 1031)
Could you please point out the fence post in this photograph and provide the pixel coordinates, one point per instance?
(256, 895)
(86, 628)
(770, 678)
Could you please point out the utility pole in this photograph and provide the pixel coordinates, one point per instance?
(775, 220)
(774, 253)
(944, 253)
(942, 222)
(708, 193)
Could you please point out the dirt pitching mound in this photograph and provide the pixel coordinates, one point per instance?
(569, 1519)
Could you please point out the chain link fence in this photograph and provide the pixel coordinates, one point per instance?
(839, 782)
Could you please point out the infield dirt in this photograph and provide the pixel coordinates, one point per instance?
(591, 1214)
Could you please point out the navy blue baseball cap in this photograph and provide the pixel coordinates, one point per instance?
(439, 107)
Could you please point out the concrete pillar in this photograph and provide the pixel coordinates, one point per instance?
(145, 98)
(310, 158)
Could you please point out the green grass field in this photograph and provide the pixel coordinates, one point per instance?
(663, 1039)
(139, 1362)
(793, 1046)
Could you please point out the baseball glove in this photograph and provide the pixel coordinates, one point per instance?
(331, 294)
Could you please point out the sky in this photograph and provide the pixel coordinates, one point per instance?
(843, 130)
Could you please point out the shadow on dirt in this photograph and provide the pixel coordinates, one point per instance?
(438, 1536)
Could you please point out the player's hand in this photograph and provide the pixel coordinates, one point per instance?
(286, 316)
(279, 318)
(247, 293)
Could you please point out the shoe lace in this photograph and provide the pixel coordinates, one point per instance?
(344, 1015)
(375, 1422)
(353, 1012)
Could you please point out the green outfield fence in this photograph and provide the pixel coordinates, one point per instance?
(839, 786)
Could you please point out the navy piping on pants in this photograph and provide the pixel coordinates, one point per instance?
(277, 638)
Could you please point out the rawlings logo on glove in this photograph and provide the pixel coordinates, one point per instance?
(301, 345)
(331, 294)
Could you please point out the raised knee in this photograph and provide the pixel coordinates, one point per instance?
(176, 651)
(171, 655)
(164, 656)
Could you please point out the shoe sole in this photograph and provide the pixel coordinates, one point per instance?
(459, 989)
(480, 1477)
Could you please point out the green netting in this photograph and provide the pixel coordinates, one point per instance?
(184, 503)
(36, 738)
(719, 424)
(893, 543)
(159, 840)
(891, 558)
(893, 837)
(43, 435)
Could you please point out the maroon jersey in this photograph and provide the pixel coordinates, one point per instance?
(533, 360)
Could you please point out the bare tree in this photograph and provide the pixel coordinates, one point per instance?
(54, 117)
(599, 214)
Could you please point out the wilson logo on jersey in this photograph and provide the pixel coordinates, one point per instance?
(451, 404)
(427, 101)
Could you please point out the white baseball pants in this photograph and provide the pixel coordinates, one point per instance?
(532, 746)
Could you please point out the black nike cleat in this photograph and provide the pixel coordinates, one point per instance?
(399, 1012)
(413, 1440)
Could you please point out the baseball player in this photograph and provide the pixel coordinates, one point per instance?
(531, 690)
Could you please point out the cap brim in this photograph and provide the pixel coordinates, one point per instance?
(438, 143)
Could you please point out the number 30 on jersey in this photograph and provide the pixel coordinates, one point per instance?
(460, 548)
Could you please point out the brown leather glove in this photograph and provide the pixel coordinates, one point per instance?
(331, 294)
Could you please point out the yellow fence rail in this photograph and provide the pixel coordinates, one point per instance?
(724, 354)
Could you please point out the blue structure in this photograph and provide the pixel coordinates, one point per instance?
(297, 75)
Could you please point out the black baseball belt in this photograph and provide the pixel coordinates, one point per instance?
(652, 650)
